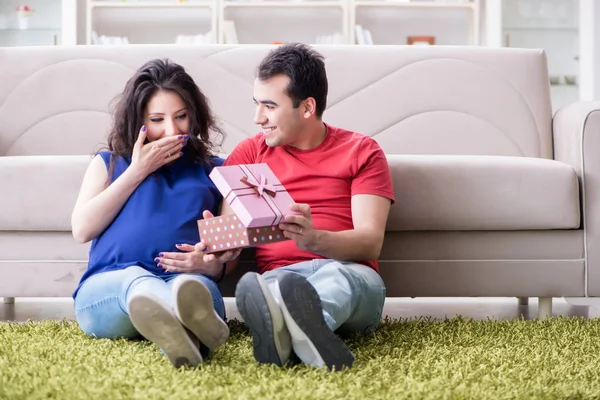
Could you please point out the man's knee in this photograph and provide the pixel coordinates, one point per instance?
(275, 274)
(359, 275)
(334, 273)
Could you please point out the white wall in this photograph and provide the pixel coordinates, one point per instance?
(596, 36)
(590, 49)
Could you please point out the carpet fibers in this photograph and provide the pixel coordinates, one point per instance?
(415, 359)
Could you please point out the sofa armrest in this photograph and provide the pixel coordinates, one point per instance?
(38, 193)
(576, 130)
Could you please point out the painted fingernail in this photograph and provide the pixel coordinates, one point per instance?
(157, 260)
(143, 128)
(185, 143)
(186, 137)
(180, 137)
(161, 255)
(180, 154)
(160, 266)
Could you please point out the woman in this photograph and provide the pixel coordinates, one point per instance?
(139, 203)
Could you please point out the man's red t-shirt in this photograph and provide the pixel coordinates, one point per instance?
(325, 178)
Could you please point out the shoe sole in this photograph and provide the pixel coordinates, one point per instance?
(313, 342)
(195, 309)
(157, 322)
(262, 315)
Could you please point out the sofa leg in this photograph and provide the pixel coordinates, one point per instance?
(544, 307)
(9, 300)
(523, 301)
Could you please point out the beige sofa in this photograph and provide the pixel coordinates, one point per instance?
(495, 197)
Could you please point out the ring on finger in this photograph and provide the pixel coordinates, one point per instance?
(300, 231)
(168, 154)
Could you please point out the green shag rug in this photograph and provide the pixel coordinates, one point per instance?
(415, 359)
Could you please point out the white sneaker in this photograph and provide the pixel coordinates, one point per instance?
(194, 307)
(157, 322)
(312, 340)
(257, 305)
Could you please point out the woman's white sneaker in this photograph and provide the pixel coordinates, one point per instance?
(157, 322)
(194, 307)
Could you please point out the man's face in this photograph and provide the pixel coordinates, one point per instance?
(275, 113)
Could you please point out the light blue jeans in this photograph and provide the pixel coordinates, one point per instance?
(101, 302)
(352, 295)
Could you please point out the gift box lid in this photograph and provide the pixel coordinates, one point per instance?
(254, 193)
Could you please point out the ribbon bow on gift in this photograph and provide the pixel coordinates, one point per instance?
(259, 188)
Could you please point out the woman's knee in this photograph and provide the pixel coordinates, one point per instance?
(100, 306)
(105, 319)
(215, 292)
(110, 283)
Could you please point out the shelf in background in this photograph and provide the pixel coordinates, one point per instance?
(149, 4)
(289, 17)
(31, 30)
(282, 4)
(414, 5)
(541, 28)
(565, 86)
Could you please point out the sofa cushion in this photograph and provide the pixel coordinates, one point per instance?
(482, 193)
(432, 193)
(42, 191)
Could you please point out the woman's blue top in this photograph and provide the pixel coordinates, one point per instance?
(161, 212)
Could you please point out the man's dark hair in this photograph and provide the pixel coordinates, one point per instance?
(306, 69)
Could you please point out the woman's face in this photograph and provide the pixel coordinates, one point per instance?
(166, 115)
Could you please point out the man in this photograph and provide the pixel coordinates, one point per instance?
(324, 279)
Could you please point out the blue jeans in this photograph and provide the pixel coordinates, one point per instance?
(352, 295)
(101, 303)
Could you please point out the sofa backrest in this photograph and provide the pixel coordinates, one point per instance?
(413, 100)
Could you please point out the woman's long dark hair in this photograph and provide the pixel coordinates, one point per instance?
(130, 108)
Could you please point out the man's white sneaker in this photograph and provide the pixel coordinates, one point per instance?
(312, 340)
(261, 313)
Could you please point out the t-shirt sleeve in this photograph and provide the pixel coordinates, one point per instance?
(244, 153)
(373, 172)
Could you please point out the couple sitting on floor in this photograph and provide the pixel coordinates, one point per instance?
(140, 201)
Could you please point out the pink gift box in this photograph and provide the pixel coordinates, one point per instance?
(259, 201)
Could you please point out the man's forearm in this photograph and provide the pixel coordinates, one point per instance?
(350, 245)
